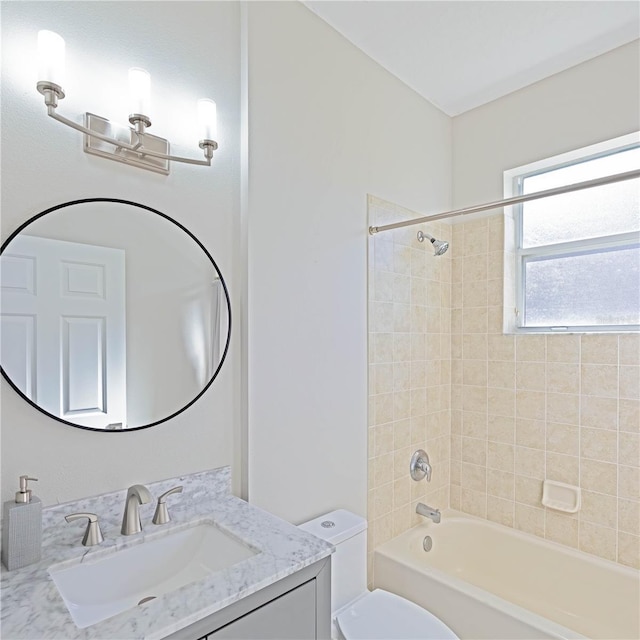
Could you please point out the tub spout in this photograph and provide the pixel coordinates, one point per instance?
(428, 512)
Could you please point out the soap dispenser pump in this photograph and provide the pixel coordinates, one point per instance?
(22, 528)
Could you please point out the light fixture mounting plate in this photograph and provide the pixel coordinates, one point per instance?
(98, 147)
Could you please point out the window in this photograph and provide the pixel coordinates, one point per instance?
(578, 254)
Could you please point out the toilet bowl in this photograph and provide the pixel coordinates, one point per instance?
(356, 612)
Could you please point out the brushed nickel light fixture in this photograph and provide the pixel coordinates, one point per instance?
(131, 145)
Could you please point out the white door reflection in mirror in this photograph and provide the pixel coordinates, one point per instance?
(64, 328)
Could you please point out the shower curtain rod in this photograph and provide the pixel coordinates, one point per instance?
(577, 186)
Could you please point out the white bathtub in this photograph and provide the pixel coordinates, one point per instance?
(488, 581)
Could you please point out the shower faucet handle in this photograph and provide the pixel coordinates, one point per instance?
(420, 467)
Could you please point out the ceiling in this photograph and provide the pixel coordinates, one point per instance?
(461, 54)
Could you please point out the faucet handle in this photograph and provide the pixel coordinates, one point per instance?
(93, 534)
(161, 516)
(419, 467)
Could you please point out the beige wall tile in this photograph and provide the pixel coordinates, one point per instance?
(529, 519)
(474, 293)
(563, 349)
(562, 468)
(629, 382)
(599, 380)
(474, 398)
(383, 439)
(501, 402)
(629, 449)
(563, 378)
(495, 292)
(474, 268)
(629, 516)
(474, 450)
(474, 477)
(475, 241)
(528, 490)
(473, 502)
(530, 462)
(629, 415)
(382, 500)
(401, 289)
(601, 413)
(599, 349)
(383, 408)
(562, 438)
(402, 259)
(600, 541)
(401, 405)
(401, 376)
(502, 347)
(500, 511)
(382, 470)
(381, 317)
(599, 508)
(501, 428)
(474, 347)
(530, 404)
(600, 477)
(401, 493)
(501, 484)
(563, 408)
(530, 348)
(561, 528)
(401, 434)
(530, 433)
(629, 482)
(629, 348)
(474, 372)
(401, 347)
(530, 375)
(629, 550)
(454, 498)
(599, 444)
(382, 348)
(501, 456)
(501, 374)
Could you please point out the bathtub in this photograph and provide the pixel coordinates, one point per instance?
(488, 581)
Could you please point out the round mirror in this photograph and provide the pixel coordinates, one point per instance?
(114, 316)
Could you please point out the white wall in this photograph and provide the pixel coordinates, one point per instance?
(594, 101)
(191, 50)
(327, 125)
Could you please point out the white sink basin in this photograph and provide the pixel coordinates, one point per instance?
(96, 590)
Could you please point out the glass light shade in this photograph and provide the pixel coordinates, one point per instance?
(207, 119)
(50, 58)
(139, 91)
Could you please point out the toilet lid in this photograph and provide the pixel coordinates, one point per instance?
(381, 615)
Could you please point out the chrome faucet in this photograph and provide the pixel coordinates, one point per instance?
(428, 512)
(420, 467)
(136, 495)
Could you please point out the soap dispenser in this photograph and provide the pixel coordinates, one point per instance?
(22, 528)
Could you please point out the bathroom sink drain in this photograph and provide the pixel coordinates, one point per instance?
(146, 599)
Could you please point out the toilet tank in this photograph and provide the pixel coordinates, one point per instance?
(348, 533)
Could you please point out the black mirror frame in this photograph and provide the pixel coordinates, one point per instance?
(193, 237)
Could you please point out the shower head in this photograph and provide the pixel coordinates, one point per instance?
(439, 246)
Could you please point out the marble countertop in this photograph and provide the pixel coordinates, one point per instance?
(33, 609)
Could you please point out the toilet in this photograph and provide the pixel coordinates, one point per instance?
(356, 612)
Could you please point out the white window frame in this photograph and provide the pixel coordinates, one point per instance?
(513, 186)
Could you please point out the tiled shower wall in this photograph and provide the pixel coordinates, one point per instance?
(529, 407)
(409, 371)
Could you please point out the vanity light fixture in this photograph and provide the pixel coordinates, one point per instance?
(131, 145)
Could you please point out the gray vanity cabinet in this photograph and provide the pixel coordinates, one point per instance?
(297, 607)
